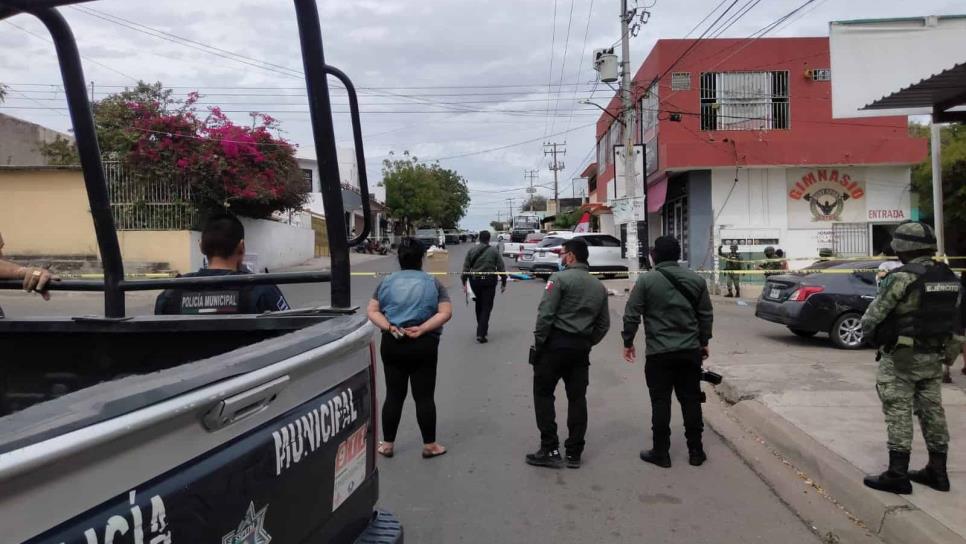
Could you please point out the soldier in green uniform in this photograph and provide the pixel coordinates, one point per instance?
(773, 264)
(730, 262)
(912, 323)
(572, 318)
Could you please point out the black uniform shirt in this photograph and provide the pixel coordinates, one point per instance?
(255, 299)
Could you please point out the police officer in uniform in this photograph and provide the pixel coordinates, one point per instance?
(678, 318)
(480, 269)
(223, 243)
(572, 318)
(732, 261)
(912, 323)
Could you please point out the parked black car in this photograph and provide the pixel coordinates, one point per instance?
(831, 301)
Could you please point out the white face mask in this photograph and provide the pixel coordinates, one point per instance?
(650, 259)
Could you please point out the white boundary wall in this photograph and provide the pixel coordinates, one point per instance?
(873, 59)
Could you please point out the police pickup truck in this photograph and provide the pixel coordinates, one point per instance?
(192, 429)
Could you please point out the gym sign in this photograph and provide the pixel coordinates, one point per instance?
(825, 195)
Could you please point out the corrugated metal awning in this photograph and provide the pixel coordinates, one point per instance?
(941, 92)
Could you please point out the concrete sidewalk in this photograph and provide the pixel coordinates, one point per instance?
(823, 414)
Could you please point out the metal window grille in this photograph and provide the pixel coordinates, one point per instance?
(681, 81)
(157, 204)
(650, 105)
(675, 219)
(850, 239)
(744, 100)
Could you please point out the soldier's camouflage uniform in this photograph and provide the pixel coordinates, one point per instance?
(910, 376)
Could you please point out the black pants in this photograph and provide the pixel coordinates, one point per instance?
(406, 362)
(485, 291)
(680, 372)
(571, 365)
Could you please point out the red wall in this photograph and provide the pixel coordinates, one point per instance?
(813, 137)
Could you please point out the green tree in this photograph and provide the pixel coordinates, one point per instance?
(421, 194)
(456, 196)
(537, 204)
(3, 92)
(411, 191)
(953, 139)
(60, 152)
(498, 225)
(567, 220)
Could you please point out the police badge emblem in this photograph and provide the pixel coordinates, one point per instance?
(251, 529)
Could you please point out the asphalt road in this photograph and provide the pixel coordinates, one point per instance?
(482, 491)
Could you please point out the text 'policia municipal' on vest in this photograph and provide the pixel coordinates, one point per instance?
(934, 320)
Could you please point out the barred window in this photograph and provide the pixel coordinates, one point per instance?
(744, 100)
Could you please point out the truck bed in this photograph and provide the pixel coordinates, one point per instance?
(144, 439)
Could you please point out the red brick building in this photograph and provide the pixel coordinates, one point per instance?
(740, 144)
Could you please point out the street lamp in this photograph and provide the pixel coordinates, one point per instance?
(603, 109)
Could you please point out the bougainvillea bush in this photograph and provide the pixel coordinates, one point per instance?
(247, 170)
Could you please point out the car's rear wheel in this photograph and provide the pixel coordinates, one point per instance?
(846, 332)
(803, 333)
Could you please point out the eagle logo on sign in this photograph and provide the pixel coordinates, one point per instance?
(251, 529)
(826, 204)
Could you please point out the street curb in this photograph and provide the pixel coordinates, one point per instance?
(894, 519)
(824, 516)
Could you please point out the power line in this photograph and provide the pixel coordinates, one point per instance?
(701, 22)
(553, 47)
(524, 113)
(196, 87)
(744, 9)
(583, 51)
(88, 59)
(697, 41)
(563, 65)
(219, 52)
(490, 150)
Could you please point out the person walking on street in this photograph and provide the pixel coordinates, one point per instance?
(731, 262)
(410, 308)
(912, 322)
(572, 318)
(482, 266)
(677, 313)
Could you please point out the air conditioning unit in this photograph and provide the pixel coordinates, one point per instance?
(606, 64)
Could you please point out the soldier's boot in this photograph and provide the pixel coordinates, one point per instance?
(896, 478)
(737, 292)
(729, 295)
(934, 473)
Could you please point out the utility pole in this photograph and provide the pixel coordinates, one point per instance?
(627, 108)
(555, 166)
(935, 131)
(510, 211)
(531, 174)
(92, 91)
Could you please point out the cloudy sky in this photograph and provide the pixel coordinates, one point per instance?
(478, 85)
